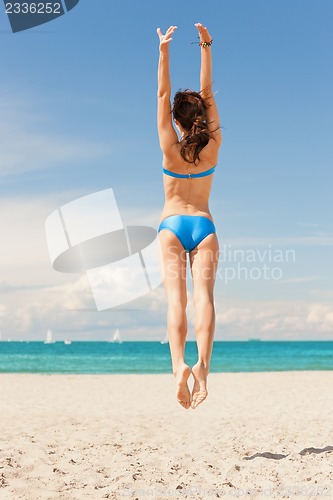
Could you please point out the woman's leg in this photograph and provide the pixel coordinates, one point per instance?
(174, 280)
(203, 261)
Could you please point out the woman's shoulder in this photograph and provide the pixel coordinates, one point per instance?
(211, 149)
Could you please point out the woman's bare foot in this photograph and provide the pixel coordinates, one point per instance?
(199, 392)
(183, 393)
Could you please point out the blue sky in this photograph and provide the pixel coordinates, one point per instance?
(78, 115)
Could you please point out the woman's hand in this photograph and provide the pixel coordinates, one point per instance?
(166, 39)
(203, 33)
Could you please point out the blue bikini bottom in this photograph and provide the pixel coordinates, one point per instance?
(189, 229)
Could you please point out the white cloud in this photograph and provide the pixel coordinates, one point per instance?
(24, 256)
(28, 141)
(276, 319)
(36, 297)
(3, 310)
(69, 309)
(322, 294)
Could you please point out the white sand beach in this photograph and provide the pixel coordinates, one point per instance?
(258, 435)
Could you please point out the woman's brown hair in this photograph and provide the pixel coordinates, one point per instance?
(190, 110)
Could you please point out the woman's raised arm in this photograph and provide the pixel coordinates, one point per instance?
(167, 134)
(206, 82)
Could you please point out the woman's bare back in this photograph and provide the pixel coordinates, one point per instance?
(188, 196)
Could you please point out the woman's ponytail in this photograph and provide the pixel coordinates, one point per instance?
(190, 110)
(197, 138)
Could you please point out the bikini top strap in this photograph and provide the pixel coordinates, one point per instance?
(189, 176)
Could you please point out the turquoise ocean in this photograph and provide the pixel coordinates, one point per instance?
(154, 357)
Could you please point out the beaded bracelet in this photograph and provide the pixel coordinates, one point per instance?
(204, 45)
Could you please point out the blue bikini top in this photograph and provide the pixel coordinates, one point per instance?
(189, 176)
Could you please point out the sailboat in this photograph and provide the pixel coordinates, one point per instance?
(67, 341)
(116, 337)
(49, 339)
(165, 340)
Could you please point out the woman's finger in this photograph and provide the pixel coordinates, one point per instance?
(200, 27)
(171, 30)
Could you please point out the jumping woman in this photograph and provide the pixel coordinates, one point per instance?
(186, 224)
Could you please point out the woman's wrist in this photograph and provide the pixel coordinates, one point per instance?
(206, 44)
(164, 49)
